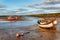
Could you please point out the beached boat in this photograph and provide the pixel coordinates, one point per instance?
(47, 23)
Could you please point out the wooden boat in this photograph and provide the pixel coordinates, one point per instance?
(47, 23)
(12, 18)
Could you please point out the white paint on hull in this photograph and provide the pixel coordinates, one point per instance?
(47, 25)
(55, 22)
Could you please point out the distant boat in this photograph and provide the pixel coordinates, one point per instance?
(47, 23)
(12, 18)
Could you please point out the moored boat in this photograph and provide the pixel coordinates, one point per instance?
(12, 18)
(47, 23)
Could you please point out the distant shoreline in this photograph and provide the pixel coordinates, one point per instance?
(45, 15)
(37, 15)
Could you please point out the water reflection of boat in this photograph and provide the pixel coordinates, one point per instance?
(47, 23)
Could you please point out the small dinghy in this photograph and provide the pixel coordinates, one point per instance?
(12, 18)
(47, 23)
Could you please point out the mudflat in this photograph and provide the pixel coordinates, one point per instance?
(34, 33)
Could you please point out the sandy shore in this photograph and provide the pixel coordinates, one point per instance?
(35, 33)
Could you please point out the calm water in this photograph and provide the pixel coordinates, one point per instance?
(30, 21)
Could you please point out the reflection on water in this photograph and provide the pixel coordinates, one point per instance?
(7, 24)
(30, 21)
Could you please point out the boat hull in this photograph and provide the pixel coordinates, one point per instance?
(46, 26)
(12, 19)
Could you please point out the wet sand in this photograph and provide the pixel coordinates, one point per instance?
(35, 33)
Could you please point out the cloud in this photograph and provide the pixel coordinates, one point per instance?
(33, 5)
(46, 5)
(51, 2)
(53, 11)
(2, 6)
(21, 9)
(45, 2)
(34, 12)
(51, 8)
(12, 12)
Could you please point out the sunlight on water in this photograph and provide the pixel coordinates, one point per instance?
(7, 24)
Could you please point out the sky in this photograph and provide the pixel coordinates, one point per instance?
(22, 7)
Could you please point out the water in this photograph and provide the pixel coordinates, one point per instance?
(35, 34)
(30, 21)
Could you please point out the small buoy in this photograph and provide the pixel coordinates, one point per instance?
(18, 35)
